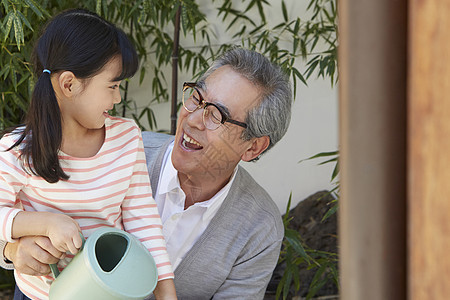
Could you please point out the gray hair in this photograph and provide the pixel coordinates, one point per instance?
(273, 114)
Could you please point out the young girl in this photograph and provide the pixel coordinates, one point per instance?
(72, 167)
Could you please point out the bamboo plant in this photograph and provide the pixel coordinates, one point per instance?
(159, 30)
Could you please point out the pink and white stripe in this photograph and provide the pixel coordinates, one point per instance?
(110, 189)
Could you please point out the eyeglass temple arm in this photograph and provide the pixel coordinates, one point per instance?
(236, 123)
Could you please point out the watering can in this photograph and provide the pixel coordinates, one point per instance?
(112, 264)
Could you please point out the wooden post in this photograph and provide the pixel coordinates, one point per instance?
(176, 42)
(429, 150)
(372, 226)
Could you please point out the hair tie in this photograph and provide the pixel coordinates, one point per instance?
(46, 71)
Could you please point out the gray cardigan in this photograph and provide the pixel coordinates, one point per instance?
(234, 258)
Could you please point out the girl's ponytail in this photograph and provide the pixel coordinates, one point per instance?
(44, 121)
(43, 132)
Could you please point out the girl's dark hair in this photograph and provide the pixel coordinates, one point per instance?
(83, 43)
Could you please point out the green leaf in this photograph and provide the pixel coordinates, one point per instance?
(24, 20)
(329, 17)
(261, 12)
(284, 10)
(137, 121)
(299, 75)
(296, 277)
(287, 284)
(324, 154)
(295, 44)
(316, 284)
(4, 71)
(23, 79)
(256, 29)
(328, 161)
(303, 49)
(35, 7)
(334, 274)
(288, 206)
(6, 6)
(295, 86)
(296, 27)
(142, 75)
(20, 103)
(18, 30)
(315, 41)
(311, 68)
(184, 19)
(98, 7)
(281, 286)
(10, 18)
(330, 212)
(151, 119)
(292, 237)
(335, 171)
(193, 23)
(250, 5)
(30, 86)
(13, 76)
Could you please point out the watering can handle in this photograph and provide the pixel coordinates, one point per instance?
(54, 268)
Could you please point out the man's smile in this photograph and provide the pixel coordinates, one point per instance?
(190, 144)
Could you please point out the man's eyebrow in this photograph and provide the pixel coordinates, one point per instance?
(223, 108)
(202, 85)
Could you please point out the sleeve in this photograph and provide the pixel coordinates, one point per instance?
(12, 179)
(3, 263)
(140, 215)
(249, 279)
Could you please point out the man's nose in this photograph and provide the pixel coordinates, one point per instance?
(195, 118)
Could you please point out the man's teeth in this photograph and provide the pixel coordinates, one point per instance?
(191, 141)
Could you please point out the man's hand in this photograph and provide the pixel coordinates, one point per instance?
(32, 255)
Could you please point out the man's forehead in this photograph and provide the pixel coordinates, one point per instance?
(201, 84)
(235, 91)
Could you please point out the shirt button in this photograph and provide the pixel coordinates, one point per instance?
(174, 217)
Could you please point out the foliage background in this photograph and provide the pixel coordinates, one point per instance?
(150, 24)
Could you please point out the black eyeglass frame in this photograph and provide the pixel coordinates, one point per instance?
(204, 104)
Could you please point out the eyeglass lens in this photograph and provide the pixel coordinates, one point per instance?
(211, 115)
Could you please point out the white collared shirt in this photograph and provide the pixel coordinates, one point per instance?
(182, 228)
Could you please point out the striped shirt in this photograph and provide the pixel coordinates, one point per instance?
(110, 189)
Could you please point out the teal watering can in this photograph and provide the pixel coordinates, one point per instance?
(112, 264)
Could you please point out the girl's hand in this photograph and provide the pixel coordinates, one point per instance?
(165, 290)
(64, 233)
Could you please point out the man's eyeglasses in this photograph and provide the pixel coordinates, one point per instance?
(213, 115)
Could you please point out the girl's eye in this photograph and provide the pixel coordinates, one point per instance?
(114, 86)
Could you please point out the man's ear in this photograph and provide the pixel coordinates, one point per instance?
(256, 148)
(67, 83)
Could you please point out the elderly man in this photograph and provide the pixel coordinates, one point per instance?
(223, 231)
